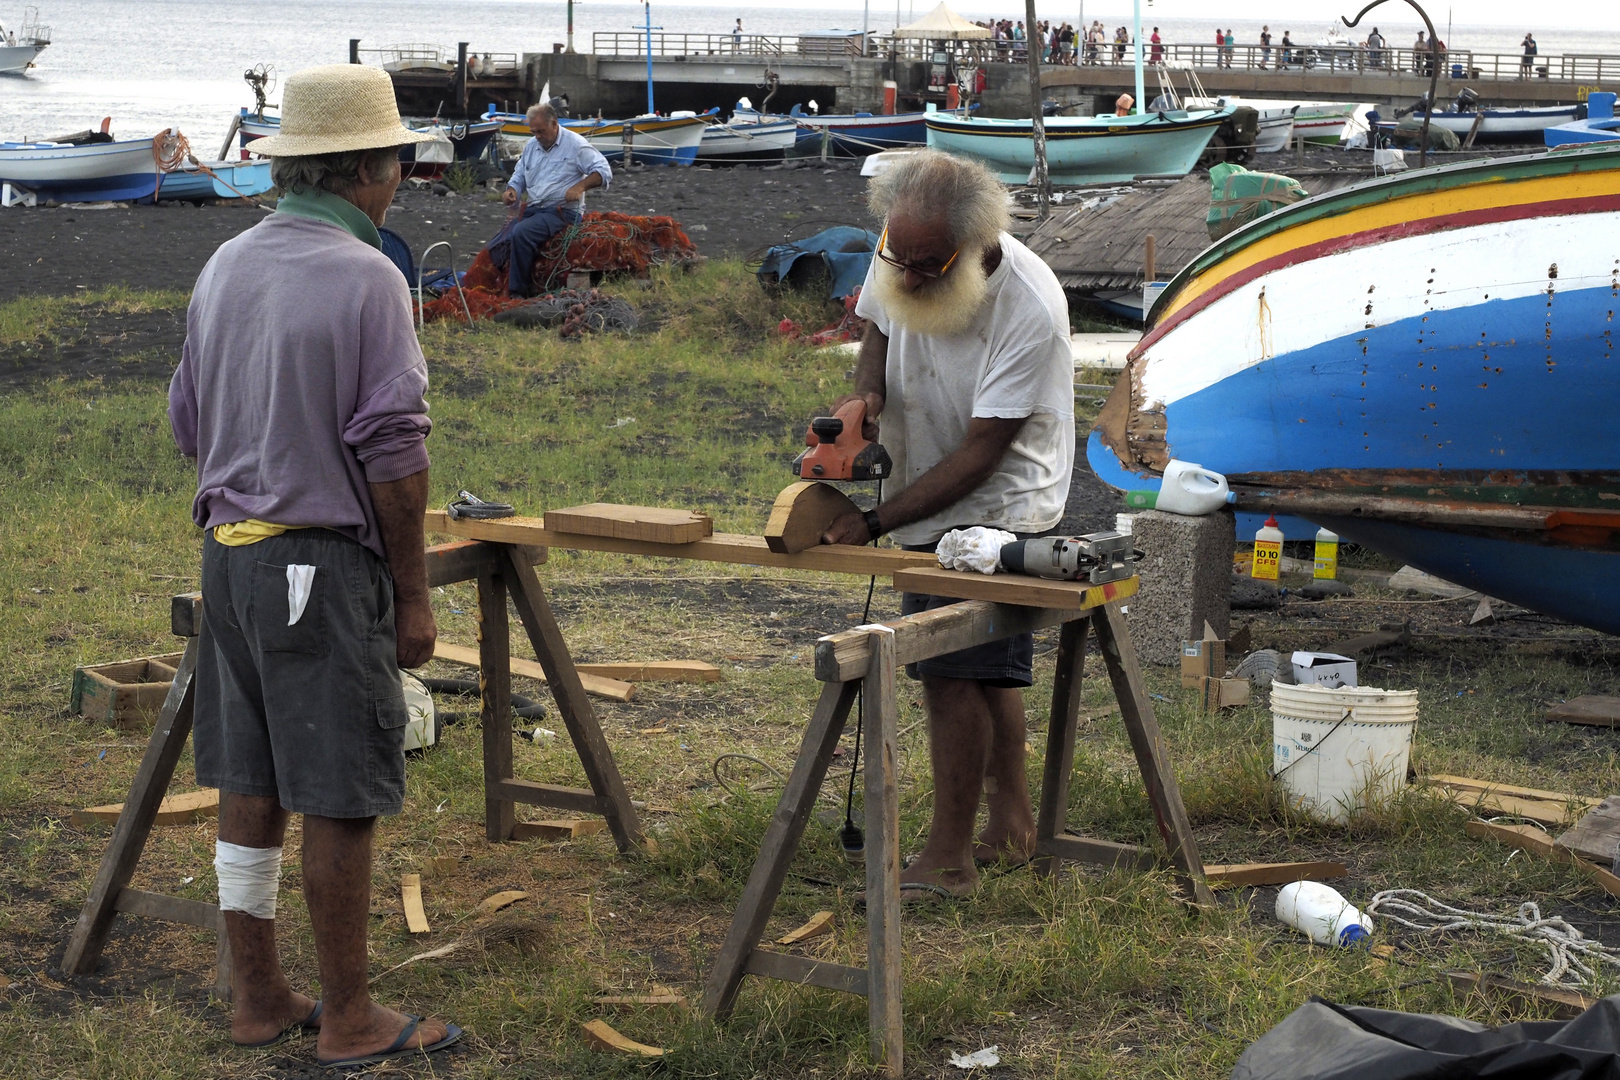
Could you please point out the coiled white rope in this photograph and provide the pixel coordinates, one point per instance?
(1568, 950)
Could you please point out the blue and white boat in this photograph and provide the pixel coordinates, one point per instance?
(215, 180)
(1599, 125)
(747, 141)
(1082, 149)
(1423, 363)
(92, 172)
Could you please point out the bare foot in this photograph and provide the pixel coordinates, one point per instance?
(998, 845)
(260, 1021)
(957, 880)
(378, 1034)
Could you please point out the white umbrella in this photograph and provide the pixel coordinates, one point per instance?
(942, 24)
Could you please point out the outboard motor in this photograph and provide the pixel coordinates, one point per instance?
(1467, 100)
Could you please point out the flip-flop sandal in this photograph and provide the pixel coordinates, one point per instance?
(308, 1023)
(935, 892)
(398, 1049)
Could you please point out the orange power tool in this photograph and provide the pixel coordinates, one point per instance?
(837, 450)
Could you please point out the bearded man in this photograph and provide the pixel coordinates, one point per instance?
(966, 360)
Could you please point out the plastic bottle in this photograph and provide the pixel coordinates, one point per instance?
(1327, 555)
(1187, 489)
(1319, 912)
(1268, 550)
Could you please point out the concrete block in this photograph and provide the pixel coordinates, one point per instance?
(1186, 573)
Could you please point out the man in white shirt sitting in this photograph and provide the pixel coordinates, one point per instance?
(966, 360)
(553, 174)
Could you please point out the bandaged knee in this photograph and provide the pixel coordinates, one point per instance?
(249, 878)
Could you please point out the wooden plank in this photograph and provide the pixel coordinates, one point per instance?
(1238, 875)
(844, 656)
(129, 836)
(1597, 835)
(600, 1034)
(410, 898)
(1490, 802)
(806, 972)
(883, 937)
(818, 924)
(178, 909)
(1563, 1004)
(1083, 849)
(495, 703)
(173, 810)
(635, 671)
(776, 849)
(1059, 761)
(1594, 710)
(802, 513)
(612, 689)
(185, 615)
(545, 637)
(721, 547)
(1468, 783)
(1017, 589)
(1164, 794)
(661, 995)
(503, 899)
(655, 524)
(579, 800)
(1530, 839)
(558, 829)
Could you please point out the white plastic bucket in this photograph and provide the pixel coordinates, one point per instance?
(1338, 750)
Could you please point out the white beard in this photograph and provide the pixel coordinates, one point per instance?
(941, 308)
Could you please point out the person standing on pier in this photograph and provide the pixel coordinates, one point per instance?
(1265, 47)
(1287, 55)
(553, 174)
(1375, 48)
(1420, 51)
(1529, 56)
(1156, 55)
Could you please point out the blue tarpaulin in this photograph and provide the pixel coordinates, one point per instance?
(841, 255)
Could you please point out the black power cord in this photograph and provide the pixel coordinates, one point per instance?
(851, 837)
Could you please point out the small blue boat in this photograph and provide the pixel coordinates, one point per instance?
(1083, 149)
(1600, 124)
(219, 180)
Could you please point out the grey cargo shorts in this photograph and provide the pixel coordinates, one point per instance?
(312, 713)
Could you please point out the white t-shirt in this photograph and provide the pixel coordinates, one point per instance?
(1012, 361)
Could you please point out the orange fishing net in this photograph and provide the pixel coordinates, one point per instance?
(601, 241)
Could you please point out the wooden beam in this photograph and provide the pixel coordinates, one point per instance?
(807, 972)
(654, 524)
(1468, 783)
(886, 1039)
(169, 908)
(579, 800)
(1021, 589)
(173, 810)
(802, 513)
(1060, 729)
(1097, 852)
(1530, 839)
(721, 547)
(1563, 1004)
(1238, 875)
(635, 671)
(1546, 807)
(612, 689)
(843, 656)
(495, 703)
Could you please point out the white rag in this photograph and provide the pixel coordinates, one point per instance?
(978, 548)
(988, 1058)
(300, 577)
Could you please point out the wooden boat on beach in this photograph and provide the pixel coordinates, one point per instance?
(215, 180)
(747, 141)
(1498, 125)
(1422, 363)
(651, 139)
(88, 172)
(1083, 149)
(428, 161)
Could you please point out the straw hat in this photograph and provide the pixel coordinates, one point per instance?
(338, 107)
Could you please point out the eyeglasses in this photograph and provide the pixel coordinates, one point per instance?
(913, 267)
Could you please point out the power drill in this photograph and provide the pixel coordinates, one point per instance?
(1098, 557)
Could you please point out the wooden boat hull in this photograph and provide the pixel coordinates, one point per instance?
(90, 173)
(424, 160)
(741, 143)
(1505, 125)
(1431, 351)
(1083, 150)
(855, 135)
(192, 184)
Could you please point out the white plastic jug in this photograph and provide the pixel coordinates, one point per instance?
(1319, 912)
(1192, 490)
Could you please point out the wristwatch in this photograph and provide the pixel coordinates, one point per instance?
(872, 526)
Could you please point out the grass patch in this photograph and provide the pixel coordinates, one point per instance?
(1080, 975)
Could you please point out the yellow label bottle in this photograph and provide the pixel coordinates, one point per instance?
(1327, 555)
(1268, 551)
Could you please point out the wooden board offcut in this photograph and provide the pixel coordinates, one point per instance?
(600, 1034)
(634, 671)
(1533, 804)
(1530, 839)
(410, 897)
(174, 810)
(1597, 835)
(1594, 710)
(1564, 1004)
(1013, 588)
(558, 829)
(612, 689)
(802, 513)
(818, 924)
(1238, 875)
(654, 523)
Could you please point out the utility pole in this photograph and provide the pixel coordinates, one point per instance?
(1037, 122)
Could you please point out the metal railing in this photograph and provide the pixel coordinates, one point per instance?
(418, 56)
(630, 43)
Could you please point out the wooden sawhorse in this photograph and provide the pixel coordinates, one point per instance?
(501, 570)
(866, 660)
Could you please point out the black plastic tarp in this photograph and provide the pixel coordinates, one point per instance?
(1323, 1041)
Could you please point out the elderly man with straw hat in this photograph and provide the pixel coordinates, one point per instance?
(300, 394)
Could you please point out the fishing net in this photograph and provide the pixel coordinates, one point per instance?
(576, 311)
(847, 328)
(607, 241)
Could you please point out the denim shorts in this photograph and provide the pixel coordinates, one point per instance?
(1006, 662)
(313, 713)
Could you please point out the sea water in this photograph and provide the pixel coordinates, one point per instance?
(156, 63)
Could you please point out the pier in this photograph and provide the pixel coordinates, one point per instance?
(850, 72)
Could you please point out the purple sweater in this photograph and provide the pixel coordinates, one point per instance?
(301, 380)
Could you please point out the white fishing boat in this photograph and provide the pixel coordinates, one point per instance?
(91, 172)
(746, 140)
(649, 139)
(1275, 122)
(1321, 122)
(1498, 125)
(20, 45)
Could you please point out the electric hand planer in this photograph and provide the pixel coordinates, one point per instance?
(1096, 557)
(837, 450)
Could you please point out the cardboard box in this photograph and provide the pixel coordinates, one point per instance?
(1202, 660)
(1323, 669)
(1225, 693)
